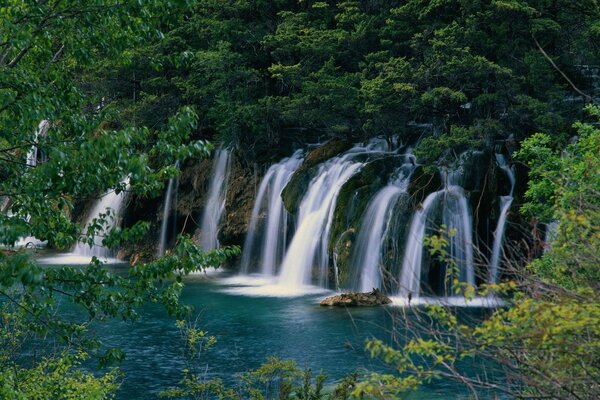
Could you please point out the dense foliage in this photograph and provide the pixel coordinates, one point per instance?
(545, 342)
(462, 74)
(45, 47)
(128, 87)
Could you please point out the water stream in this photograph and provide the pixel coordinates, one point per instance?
(168, 212)
(309, 246)
(111, 205)
(215, 205)
(505, 203)
(265, 243)
(368, 250)
(458, 230)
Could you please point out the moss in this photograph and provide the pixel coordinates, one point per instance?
(423, 183)
(343, 252)
(238, 205)
(296, 188)
(353, 200)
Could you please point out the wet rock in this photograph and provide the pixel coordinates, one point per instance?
(193, 186)
(370, 299)
(424, 182)
(298, 184)
(352, 202)
(238, 204)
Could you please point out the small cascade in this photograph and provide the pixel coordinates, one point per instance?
(505, 203)
(31, 161)
(265, 244)
(215, 205)
(368, 250)
(457, 219)
(410, 275)
(167, 212)
(309, 246)
(550, 235)
(116, 203)
(32, 154)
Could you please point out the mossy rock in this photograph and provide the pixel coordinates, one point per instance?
(476, 168)
(343, 252)
(354, 198)
(423, 183)
(238, 205)
(298, 185)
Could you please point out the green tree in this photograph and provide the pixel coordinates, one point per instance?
(545, 341)
(45, 49)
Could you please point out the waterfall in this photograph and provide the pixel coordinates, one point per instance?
(368, 249)
(31, 161)
(505, 203)
(265, 244)
(309, 246)
(115, 202)
(32, 154)
(458, 221)
(456, 217)
(550, 235)
(410, 275)
(215, 205)
(167, 211)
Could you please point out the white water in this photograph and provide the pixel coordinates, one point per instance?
(116, 203)
(32, 154)
(265, 245)
(309, 246)
(458, 221)
(456, 217)
(31, 161)
(215, 205)
(550, 235)
(450, 301)
(505, 203)
(166, 216)
(368, 251)
(410, 274)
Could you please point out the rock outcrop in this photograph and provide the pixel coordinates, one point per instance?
(298, 184)
(370, 299)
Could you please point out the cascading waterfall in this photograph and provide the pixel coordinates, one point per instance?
(309, 246)
(32, 154)
(215, 205)
(266, 245)
(167, 211)
(368, 250)
(410, 275)
(116, 203)
(550, 235)
(456, 217)
(505, 203)
(31, 161)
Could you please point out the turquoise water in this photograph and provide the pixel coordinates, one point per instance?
(250, 329)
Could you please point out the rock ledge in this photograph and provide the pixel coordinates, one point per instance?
(369, 299)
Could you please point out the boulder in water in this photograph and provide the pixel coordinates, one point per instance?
(369, 299)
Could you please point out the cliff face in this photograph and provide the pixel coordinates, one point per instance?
(239, 202)
(482, 180)
(296, 188)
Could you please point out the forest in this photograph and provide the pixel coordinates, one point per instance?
(183, 182)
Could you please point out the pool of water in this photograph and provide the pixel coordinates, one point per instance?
(251, 322)
(251, 328)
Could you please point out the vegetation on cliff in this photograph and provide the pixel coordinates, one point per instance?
(128, 87)
(264, 75)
